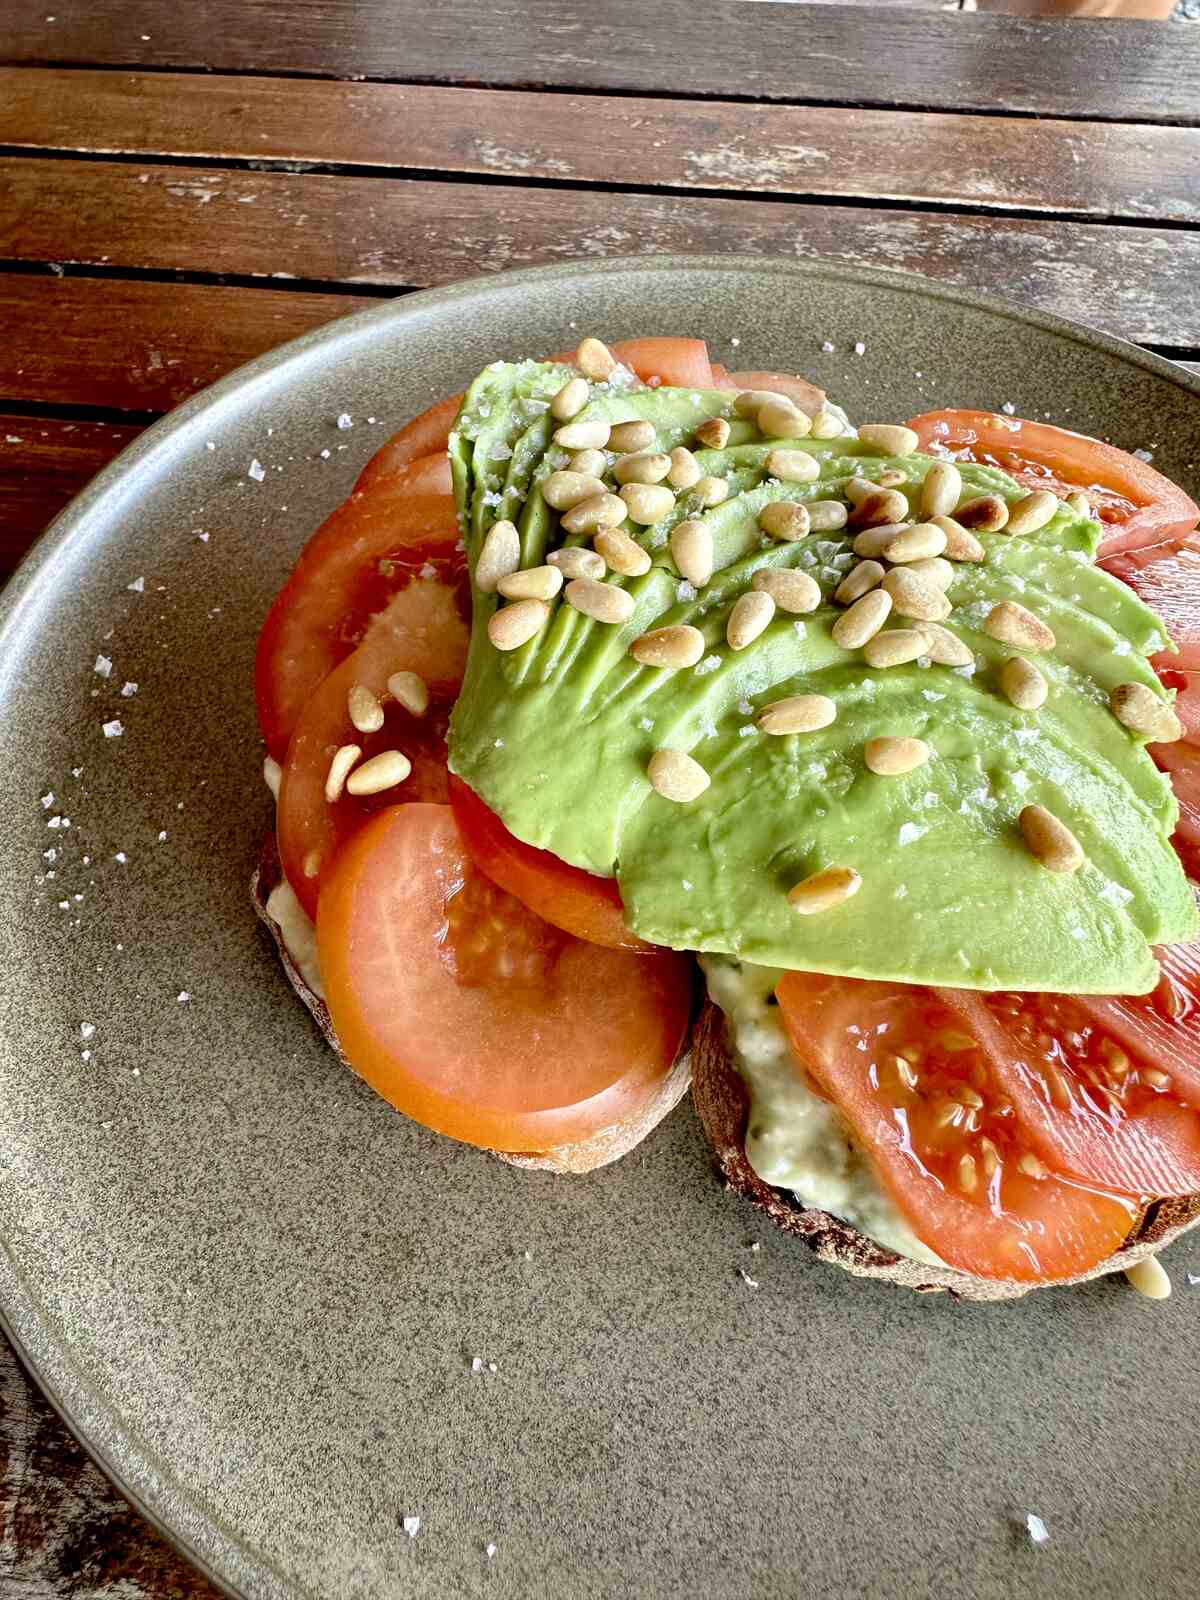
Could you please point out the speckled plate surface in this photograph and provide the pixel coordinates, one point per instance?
(256, 1292)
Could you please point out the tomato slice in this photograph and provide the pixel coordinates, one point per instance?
(469, 1013)
(1187, 699)
(579, 902)
(805, 395)
(903, 1067)
(373, 545)
(426, 435)
(1182, 762)
(1137, 504)
(1167, 577)
(423, 630)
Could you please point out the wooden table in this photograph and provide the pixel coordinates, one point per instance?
(184, 186)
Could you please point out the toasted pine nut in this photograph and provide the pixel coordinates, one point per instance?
(822, 891)
(1150, 1278)
(1141, 711)
(784, 519)
(918, 543)
(1023, 684)
(562, 490)
(872, 542)
(710, 491)
(532, 583)
(649, 466)
(603, 602)
(792, 466)
(826, 516)
(896, 648)
(941, 489)
(569, 400)
(913, 597)
(884, 505)
(863, 620)
(713, 434)
(692, 551)
(827, 425)
(591, 434)
(595, 360)
(1050, 841)
(791, 591)
(1010, 623)
(635, 435)
(593, 463)
(935, 570)
(381, 772)
(685, 469)
(750, 615)
(1031, 512)
(889, 756)
(339, 770)
(364, 709)
(623, 554)
(946, 648)
(647, 503)
(679, 645)
(799, 713)
(599, 511)
(574, 561)
(858, 581)
(676, 776)
(888, 438)
(411, 691)
(778, 418)
(987, 512)
(499, 555)
(1080, 503)
(750, 401)
(514, 625)
(857, 490)
(960, 545)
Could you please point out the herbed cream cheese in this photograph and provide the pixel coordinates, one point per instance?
(795, 1139)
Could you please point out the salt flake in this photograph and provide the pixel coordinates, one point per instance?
(138, 586)
(103, 667)
(344, 421)
(47, 800)
(412, 1525)
(256, 470)
(128, 690)
(113, 729)
(1036, 1529)
(909, 832)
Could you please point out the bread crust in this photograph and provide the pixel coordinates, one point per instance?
(610, 1144)
(723, 1105)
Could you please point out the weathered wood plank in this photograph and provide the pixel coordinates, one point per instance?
(1140, 280)
(829, 54)
(44, 462)
(1082, 168)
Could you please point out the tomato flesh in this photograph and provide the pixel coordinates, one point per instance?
(470, 1014)
(1167, 578)
(426, 435)
(1182, 764)
(799, 390)
(906, 1069)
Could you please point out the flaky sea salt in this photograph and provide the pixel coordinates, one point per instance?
(128, 690)
(1036, 1529)
(412, 1526)
(345, 420)
(47, 800)
(909, 832)
(113, 729)
(138, 586)
(256, 470)
(103, 667)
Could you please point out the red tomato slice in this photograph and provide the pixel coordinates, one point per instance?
(721, 378)
(1137, 504)
(472, 1015)
(1182, 762)
(1167, 578)
(902, 1067)
(675, 363)
(423, 630)
(1187, 699)
(426, 435)
(579, 902)
(805, 395)
(373, 545)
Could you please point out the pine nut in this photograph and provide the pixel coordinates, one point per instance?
(858, 489)
(935, 570)
(822, 891)
(1050, 841)
(863, 620)
(532, 583)
(827, 425)
(987, 512)
(913, 597)
(364, 709)
(499, 555)
(946, 649)
(603, 602)
(895, 648)
(960, 545)
(884, 505)
(918, 543)
(1141, 711)
(595, 360)
(623, 554)
(784, 519)
(1010, 623)
(751, 401)
(890, 757)
(645, 467)
(635, 435)
(888, 438)
(685, 469)
(692, 551)
(1080, 504)
(826, 516)
(872, 542)
(799, 713)
(1149, 1278)
(1031, 512)
(792, 466)
(411, 691)
(713, 434)
(676, 776)
(676, 646)
(941, 489)
(516, 624)
(381, 772)
(562, 490)
(339, 770)
(859, 581)
(792, 591)
(1029, 1164)
(593, 463)
(778, 418)
(750, 615)
(710, 491)
(600, 511)
(589, 435)
(1023, 684)
(574, 561)
(647, 503)
(570, 399)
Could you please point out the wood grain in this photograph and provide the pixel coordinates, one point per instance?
(400, 232)
(827, 54)
(44, 462)
(1081, 168)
